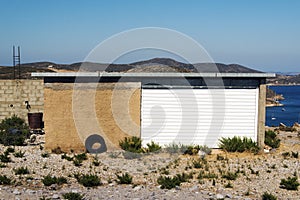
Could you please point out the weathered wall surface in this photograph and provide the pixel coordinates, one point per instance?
(71, 116)
(14, 93)
(261, 116)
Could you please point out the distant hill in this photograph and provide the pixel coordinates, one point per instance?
(8, 72)
(172, 65)
(284, 80)
(152, 65)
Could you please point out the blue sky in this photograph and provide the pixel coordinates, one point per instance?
(261, 34)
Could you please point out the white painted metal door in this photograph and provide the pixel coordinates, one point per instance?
(198, 116)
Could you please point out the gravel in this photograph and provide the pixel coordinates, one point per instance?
(257, 174)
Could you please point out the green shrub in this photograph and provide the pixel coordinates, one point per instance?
(2, 165)
(77, 159)
(228, 185)
(295, 173)
(208, 175)
(273, 166)
(132, 144)
(13, 131)
(96, 162)
(124, 178)
(268, 196)
(205, 149)
(201, 175)
(153, 147)
(211, 175)
(4, 180)
(81, 156)
(168, 182)
(219, 157)
(290, 183)
(19, 154)
(295, 154)
(197, 164)
(72, 196)
(68, 158)
(10, 150)
(49, 180)
(271, 139)
(5, 157)
(164, 171)
(194, 149)
(191, 150)
(285, 154)
(88, 180)
(45, 155)
(238, 144)
(77, 162)
(21, 170)
(184, 177)
(252, 171)
(173, 148)
(230, 176)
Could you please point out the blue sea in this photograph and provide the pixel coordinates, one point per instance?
(290, 112)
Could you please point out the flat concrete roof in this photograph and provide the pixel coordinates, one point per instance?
(157, 74)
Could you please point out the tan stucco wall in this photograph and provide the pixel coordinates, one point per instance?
(106, 109)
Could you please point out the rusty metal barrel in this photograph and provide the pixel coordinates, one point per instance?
(35, 120)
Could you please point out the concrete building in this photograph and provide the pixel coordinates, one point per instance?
(96, 110)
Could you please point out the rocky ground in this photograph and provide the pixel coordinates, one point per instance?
(256, 174)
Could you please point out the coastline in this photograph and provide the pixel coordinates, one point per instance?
(275, 105)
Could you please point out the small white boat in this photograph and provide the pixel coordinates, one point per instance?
(283, 109)
(273, 118)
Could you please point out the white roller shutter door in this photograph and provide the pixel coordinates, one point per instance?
(198, 116)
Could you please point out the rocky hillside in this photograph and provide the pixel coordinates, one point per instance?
(152, 65)
(272, 99)
(8, 72)
(285, 80)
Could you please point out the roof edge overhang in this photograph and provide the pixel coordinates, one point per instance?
(172, 75)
